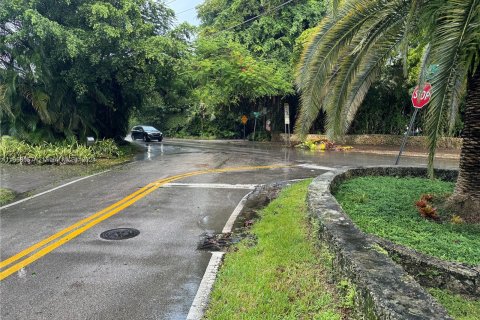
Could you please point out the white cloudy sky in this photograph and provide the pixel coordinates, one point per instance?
(184, 10)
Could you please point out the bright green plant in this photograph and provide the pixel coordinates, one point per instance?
(280, 275)
(385, 206)
(348, 293)
(106, 148)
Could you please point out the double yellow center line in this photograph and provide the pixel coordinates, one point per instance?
(49, 244)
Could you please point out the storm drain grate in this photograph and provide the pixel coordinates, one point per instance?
(119, 234)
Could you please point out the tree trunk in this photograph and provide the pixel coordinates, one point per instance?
(467, 188)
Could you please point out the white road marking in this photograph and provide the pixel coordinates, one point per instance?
(201, 298)
(212, 185)
(314, 166)
(229, 225)
(200, 302)
(51, 190)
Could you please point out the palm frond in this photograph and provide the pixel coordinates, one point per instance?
(322, 54)
(389, 32)
(453, 19)
(5, 106)
(371, 67)
(39, 101)
(409, 24)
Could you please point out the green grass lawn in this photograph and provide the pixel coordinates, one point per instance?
(385, 206)
(458, 307)
(281, 274)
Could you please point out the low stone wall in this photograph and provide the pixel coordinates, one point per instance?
(378, 139)
(383, 289)
(432, 272)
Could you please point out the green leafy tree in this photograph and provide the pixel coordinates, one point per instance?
(72, 68)
(270, 36)
(226, 77)
(244, 53)
(345, 56)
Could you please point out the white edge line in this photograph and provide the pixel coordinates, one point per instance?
(199, 304)
(314, 166)
(48, 191)
(229, 225)
(211, 185)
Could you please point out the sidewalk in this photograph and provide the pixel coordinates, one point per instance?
(407, 152)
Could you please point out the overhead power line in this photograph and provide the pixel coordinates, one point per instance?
(244, 22)
(253, 18)
(185, 11)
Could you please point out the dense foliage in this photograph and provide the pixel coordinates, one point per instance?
(82, 67)
(99, 67)
(243, 63)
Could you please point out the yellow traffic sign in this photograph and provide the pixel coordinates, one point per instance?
(244, 119)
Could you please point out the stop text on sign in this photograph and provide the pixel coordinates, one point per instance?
(420, 102)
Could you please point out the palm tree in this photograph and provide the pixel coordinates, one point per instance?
(350, 46)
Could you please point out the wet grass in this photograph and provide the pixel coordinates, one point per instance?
(280, 272)
(6, 196)
(459, 307)
(385, 206)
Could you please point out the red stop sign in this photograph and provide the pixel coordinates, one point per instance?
(424, 96)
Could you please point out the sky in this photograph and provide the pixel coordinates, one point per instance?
(181, 6)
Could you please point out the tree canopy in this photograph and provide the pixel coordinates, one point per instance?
(83, 67)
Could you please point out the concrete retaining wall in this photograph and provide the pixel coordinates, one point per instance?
(383, 289)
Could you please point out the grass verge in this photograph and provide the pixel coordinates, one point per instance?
(6, 195)
(385, 206)
(278, 272)
(459, 307)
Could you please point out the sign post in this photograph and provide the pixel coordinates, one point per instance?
(419, 100)
(286, 109)
(256, 115)
(244, 122)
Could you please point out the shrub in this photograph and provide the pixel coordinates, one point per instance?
(105, 149)
(13, 151)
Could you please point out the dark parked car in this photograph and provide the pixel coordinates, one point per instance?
(146, 133)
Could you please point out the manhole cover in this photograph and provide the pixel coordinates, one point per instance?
(119, 234)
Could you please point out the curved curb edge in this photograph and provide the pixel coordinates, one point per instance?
(383, 289)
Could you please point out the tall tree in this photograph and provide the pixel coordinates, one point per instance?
(263, 33)
(72, 68)
(268, 29)
(344, 57)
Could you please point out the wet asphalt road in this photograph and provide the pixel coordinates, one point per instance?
(156, 274)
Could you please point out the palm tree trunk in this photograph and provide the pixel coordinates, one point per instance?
(468, 182)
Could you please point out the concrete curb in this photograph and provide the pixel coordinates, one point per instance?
(255, 199)
(383, 289)
(200, 302)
